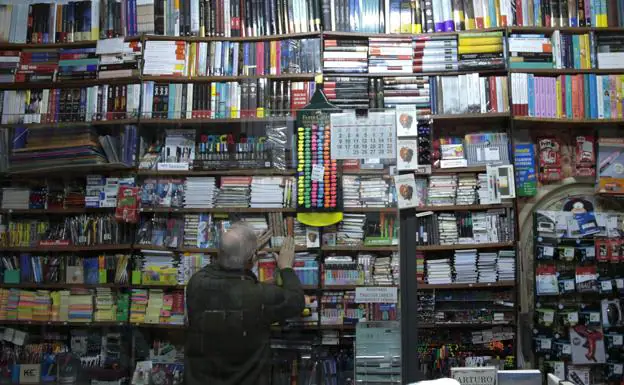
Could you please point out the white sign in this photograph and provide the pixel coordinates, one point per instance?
(29, 373)
(373, 136)
(318, 172)
(376, 295)
(475, 376)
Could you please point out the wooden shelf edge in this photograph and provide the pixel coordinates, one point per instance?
(173, 210)
(465, 247)
(533, 119)
(463, 286)
(359, 248)
(475, 116)
(464, 207)
(56, 249)
(241, 172)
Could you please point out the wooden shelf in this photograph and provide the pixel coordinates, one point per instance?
(69, 83)
(114, 122)
(456, 170)
(66, 211)
(351, 287)
(58, 249)
(60, 286)
(364, 172)
(465, 325)
(158, 326)
(173, 210)
(473, 117)
(73, 168)
(300, 35)
(464, 286)
(205, 121)
(240, 172)
(464, 247)
(536, 120)
(566, 71)
(206, 79)
(62, 323)
(580, 30)
(414, 74)
(200, 250)
(76, 44)
(357, 248)
(370, 210)
(355, 35)
(463, 207)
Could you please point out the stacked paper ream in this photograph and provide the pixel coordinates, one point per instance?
(105, 309)
(439, 271)
(465, 263)
(234, 192)
(434, 53)
(154, 306)
(267, 191)
(26, 305)
(80, 306)
(64, 305)
(4, 303)
(200, 192)
(484, 196)
(351, 229)
(442, 190)
(351, 191)
(42, 306)
(506, 265)
(138, 305)
(466, 190)
(487, 267)
(374, 192)
(383, 271)
(447, 228)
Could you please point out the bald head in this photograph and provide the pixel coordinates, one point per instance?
(237, 247)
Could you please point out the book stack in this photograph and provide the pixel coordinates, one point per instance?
(199, 192)
(400, 91)
(442, 190)
(138, 305)
(345, 56)
(506, 265)
(466, 190)
(267, 192)
(561, 13)
(122, 64)
(470, 94)
(81, 306)
(198, 231)
(382, 272)
(16, 198)
(9, 64)
(488, 267)
(389, 55)
(375, 191)
(582, 96)
(434, 54)
(447, 227)
(395, 265)
(346, 92)
(465, 266)
(610, 50)
(234, 192)
(277, 57)
(177, 313)
(351, 229)
(420, 266)
(439, 271)
(536, 51)
(350, 191)
(483, 189)
(481, 51)
(105, 307)
(167, 58)
(77, 64)
(12, 304)
(37, 65)
(25, 305)
(155, 304)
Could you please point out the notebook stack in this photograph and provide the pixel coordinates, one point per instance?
(531, 51)
(63, 305)
(165, 58)
(81, 306)
(389, 55)
(267, 192)
(442, 190)
(610, 51)
(484, 194)
(234, 192)
(122, 64)
(420, 266)
(345, 56)
(16, 198)
(105, 309)
(487, 267)
(200, 192)
(466, 190)
(382, 272)
(506, 265)
(350, 191)
(481, 51)
(77, 64)
(465, 263)
(351, 229)
(347, 92)
(42, 306)
(9, 63)
(447, 225)
(155, 305)
(12, 304)
(375, 192)
(25, 305)
(138, 305)
(434, 54)
(439, 271)
(37, 65)
(4, 300)
(408, 91)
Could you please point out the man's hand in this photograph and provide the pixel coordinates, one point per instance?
(263, 239)
(286, 256)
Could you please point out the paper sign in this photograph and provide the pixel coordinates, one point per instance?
(376, 295)
(109, 46)
(29, 373)
(318, 172)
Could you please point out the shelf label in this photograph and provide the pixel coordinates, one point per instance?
(376, 295)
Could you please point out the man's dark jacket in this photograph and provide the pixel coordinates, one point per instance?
(230, 316)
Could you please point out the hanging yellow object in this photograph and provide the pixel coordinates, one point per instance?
(319, 219)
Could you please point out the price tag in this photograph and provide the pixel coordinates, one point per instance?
(568, 285)
(318, 172)
(618, 340)
(549, 251)
(567, 349)
(619, 283)
(82, 239)
(573, 317)
(545, 344)
(617, 368)
(594, 317)
(549, 316)
(606, 285)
